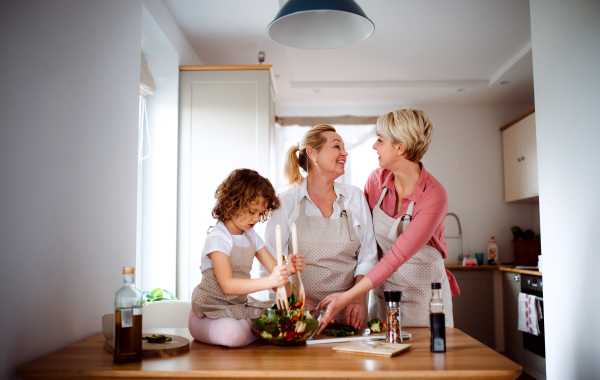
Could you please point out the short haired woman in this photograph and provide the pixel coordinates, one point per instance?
(409, 207)
(333, 221)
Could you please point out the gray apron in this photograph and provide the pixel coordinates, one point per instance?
(329, 249)
(413, 278)
(209, 299)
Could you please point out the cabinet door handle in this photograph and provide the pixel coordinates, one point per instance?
(522, 158)
(517, 278)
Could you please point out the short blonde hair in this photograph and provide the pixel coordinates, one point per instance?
(413, 128)
(296, 157)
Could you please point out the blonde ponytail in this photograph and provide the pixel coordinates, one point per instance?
(291, 169)
(296, 157)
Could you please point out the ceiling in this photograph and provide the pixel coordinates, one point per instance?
(422, 51)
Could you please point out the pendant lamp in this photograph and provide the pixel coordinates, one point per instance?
(320, 24)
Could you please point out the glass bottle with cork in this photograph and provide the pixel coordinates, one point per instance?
(128, 320)
(437, 319)
(393, 326)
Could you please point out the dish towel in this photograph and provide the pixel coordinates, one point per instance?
(530, 312)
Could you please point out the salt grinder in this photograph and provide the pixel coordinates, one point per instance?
(393, 325)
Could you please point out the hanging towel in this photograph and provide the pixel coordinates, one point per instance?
(528, 314)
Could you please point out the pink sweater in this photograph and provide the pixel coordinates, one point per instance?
(426, 226)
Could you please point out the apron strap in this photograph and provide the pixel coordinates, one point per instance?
(250, 240)
(381, 197)
(303, 206)
(348, 214)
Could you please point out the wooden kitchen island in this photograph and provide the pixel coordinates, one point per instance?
(465, 358)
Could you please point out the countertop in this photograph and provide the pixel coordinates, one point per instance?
(465, 358)
(504, 268)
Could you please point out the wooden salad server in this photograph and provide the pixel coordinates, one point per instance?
(301, 295)
(281, 294)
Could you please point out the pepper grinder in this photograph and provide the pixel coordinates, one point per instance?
(393, 325)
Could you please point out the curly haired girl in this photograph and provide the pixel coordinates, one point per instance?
(218, 314)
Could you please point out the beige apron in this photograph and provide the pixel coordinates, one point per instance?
(209, 299)
(413, 278)
(329, 248)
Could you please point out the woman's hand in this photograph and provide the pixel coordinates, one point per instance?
(355, 314)
(310, 305)
(296, 263)
(334, 303)
(279, 276)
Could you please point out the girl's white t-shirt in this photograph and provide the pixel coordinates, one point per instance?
(219, 239)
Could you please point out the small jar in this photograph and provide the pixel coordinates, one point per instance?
(393, 325)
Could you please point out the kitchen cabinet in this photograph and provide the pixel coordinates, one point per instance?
(513, 338)
(520, 159)
(474, 308)
(226, 122)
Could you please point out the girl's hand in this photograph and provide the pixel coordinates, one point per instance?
(279, 277)
(296, 263)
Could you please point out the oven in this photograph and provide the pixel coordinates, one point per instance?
(533, 285)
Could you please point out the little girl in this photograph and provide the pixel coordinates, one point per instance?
(218, 312)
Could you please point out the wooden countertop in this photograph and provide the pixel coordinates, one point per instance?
(504, 268)
(465, 358)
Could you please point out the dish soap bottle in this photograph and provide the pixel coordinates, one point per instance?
(437, 319)
(128, 320)
(492, 252)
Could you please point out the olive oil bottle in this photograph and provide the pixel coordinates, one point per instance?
(128, 320)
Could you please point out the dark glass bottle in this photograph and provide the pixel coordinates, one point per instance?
(437, 319)
(128, 320)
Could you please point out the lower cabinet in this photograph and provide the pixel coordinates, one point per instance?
(533, 364)
(474, 307)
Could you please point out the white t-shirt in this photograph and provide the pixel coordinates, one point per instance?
(219, 239)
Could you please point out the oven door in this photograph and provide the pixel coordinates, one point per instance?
(533, 285)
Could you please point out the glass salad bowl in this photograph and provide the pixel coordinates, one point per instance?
(283, 327)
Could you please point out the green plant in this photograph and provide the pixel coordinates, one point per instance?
(156, 295)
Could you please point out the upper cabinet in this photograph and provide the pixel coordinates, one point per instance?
(520, 159)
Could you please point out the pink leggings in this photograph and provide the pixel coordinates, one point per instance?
(227, 332)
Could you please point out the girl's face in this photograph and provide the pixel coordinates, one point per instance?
(387, 152)
(331, 159)
(243, 222)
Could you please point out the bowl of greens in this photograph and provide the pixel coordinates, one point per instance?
(283, 327)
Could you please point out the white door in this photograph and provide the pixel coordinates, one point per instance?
(225, 125)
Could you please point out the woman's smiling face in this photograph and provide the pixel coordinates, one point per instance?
(331, 159)
(386, 151)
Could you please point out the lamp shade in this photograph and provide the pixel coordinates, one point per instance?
(320, 24)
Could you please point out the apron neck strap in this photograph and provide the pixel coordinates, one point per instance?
(250, 240)
(382, 195)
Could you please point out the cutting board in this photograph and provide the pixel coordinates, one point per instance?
(363, 334)
(177, 346)
(372, 348)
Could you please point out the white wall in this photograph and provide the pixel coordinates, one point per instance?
(69, 82)
(466, 157)
(566, 62)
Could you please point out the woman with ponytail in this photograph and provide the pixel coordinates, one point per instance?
(333, 221)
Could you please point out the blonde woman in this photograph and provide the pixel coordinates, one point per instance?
(408, 207)
(333, 220)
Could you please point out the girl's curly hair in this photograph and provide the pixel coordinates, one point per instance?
(242, 188)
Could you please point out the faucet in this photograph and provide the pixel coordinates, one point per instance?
(459, 237)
